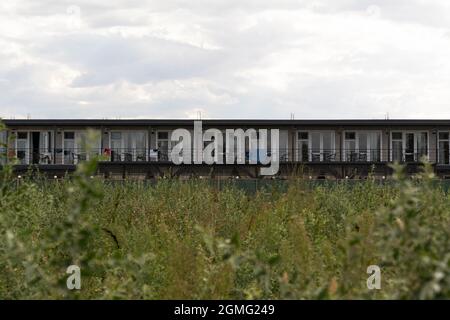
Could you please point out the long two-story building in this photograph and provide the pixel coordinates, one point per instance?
(317, 149)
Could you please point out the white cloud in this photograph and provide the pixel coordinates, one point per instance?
(225, 58)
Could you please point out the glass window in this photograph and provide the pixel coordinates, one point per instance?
(45, 147)
(69, 144)
(22, 147)
(350, 136)
(362, 146)
(128, 146)
(409, 146)
(374, 146)
(302, 147)
(163, 135)
(397, 146)
(163, 150)
(78, 146)
(315, 146)
(397, 136)
(328, 152)
(140, 145)
(135, 145)
(350, 146)
(116, 146)
(397, 151)
(444, 152)
(116, 135)
(69, 147)
(69, 135)
(21, 144)
(303, 135)
(422, 145)
(444, 148)
(304, 151)
(443, 135)
(22, 151)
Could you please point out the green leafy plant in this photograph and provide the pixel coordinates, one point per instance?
(193, 240)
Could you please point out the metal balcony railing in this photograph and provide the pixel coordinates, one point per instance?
(303, 155)
(407, 157)
(29, 156)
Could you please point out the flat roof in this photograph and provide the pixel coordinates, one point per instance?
(226, 122)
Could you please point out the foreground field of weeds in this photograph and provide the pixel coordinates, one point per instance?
(187, 240)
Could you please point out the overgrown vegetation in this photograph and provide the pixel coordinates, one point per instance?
(187, 240)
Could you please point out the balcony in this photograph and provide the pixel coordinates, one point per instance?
(128, 155)
(366, 155)
(407, 156)
(29, 156)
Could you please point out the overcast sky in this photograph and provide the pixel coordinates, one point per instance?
(225, 58)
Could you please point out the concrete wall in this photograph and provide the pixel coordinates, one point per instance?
(385, 145)
(432, 146)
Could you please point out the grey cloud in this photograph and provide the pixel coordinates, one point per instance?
(106, 59)
(230, 58)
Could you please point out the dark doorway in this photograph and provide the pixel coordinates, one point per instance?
(35, 142)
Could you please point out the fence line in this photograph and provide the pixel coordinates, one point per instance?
(248, 185)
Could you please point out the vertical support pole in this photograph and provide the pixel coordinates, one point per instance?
(149, 143)
(54, 144)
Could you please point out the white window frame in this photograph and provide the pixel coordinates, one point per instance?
(133, 147)
(283, 153)
(369, 147)
(416, 134)
(121, 142)
(169, 143)
(27, 150)
(310, 153)
(438, 148)
(63, 145)
(76, 145)
(298, 154)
